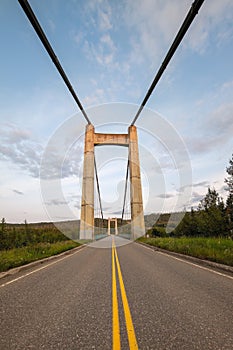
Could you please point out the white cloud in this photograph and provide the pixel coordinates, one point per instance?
(228, 85)
(213, 16)
(166, 195)
(52, 25)
(98, 96)
(100, 14)
(56, 202)
(18, 192)
(105, 17)
(154, 25)
(215, 130)
(220, 121)
(103, 51)
(78, 37)
(202, 184)
(18, 148)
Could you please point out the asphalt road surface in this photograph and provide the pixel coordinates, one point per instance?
(128, 297)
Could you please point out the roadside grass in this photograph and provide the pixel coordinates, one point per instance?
(215, 249)
(20, 256)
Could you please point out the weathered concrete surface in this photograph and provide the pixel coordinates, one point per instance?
(111, 139)
(109, 225)
(130, 140)
(137, 214)
(87, 208)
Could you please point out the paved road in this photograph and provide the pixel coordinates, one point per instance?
(78, 302)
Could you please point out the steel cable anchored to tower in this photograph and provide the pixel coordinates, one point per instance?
(183, 29)
(86, 225)
(98, 188)
(36, 25)
(125, 192)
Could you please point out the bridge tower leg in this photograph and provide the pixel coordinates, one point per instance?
(109, 226)
(137, 214)
(116, 228)
(87, 207)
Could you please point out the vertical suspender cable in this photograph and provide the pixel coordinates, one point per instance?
(126, 181)
(98, 189)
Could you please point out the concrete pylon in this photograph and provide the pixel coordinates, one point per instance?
(87, 208)
(129, 140)
(116, 228)
(137, 214)
(109, 226)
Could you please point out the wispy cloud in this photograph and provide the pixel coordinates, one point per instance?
(19, 148)
(216, 130)
(196, 197)
(105, 17)
(166, 195)
(100, 14)
(149, 45)
(101, 51)
(56, 202)
(146, 30)
(18, 192)
(214, 17)
(52, 25)
(197, 184)
(97, 96)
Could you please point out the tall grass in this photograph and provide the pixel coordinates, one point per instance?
(215, 249)
(21, 256)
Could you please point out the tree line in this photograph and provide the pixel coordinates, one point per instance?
(213, 217)
(21, 235)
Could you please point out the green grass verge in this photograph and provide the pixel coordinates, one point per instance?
(21, 256)
(215, 249)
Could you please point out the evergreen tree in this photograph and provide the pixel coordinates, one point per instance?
(210, 201)
(229, 201)
(3, 225)
(2, 233)
(229, 179)
(212, 218)
(193, 224)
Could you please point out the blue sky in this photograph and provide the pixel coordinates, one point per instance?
(111, 51)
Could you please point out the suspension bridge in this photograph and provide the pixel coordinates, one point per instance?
(128, 297)
(87, 230)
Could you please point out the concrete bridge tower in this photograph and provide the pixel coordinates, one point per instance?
(129, 140)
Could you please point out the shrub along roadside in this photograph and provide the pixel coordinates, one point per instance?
(24, 255)
(214, 249)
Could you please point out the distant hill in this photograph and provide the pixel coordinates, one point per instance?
(150, 220)
(71, 227)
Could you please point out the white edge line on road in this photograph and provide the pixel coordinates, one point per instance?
(41, 268)
(189, 263)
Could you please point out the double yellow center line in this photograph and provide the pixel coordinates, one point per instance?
(116, 338)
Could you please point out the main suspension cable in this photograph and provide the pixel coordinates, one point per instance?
(36, 25)
(98, 188)
(183, 29)
(126, 182)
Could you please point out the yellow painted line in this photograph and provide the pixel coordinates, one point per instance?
(116, 341)
(128, 319)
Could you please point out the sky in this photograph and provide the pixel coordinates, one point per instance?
(111, 51)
